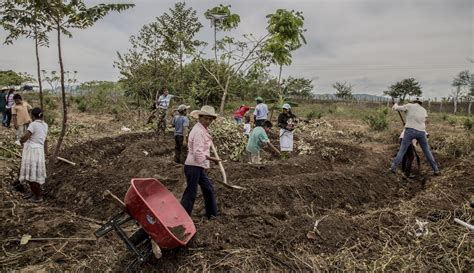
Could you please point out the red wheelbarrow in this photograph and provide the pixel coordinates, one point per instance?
(161, 217)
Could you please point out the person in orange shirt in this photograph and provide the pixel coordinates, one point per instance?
(21, 116)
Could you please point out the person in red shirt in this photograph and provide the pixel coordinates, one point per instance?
(240, 113)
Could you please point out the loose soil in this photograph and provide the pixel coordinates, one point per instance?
(179, 232)
(368, 216)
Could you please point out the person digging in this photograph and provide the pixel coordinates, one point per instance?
(258, 140)
(415, 129)
(198, 161)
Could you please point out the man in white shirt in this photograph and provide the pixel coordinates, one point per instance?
(260, 113)
(162, 103)
(415, 128)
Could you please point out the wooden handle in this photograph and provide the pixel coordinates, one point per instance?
(65, 160)
(114, 199)
(221, 167)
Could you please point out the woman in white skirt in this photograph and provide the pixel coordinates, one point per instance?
(33, 165)
(286, 122)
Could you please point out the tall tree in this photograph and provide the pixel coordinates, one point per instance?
(460, 82)
(343, 90)
(286, 35)
(62, 16)
(178, 29)
(24, 18)
(222, 19)
(235, 53)
(404, 88)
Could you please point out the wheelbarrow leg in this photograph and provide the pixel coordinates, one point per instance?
(138, 261)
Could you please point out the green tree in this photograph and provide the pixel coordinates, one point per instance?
(286, 35)
(62, 16)
(177, 30)
(343, 90)
(406, 87)
(298, 87)
(24, 18)
(461, 82)
(11, 78)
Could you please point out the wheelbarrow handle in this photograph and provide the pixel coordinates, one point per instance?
(114, 199)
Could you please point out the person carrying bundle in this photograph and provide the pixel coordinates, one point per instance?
(286, 122)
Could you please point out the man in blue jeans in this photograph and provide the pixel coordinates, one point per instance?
(415, 128)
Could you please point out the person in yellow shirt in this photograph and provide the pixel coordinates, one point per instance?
(21, 116)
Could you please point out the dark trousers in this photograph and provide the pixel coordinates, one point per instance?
(407, 160)
(3, 115)
(179, 149)
(259, 122)
(8, 113)
(197, 176)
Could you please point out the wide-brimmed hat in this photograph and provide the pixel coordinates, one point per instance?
(259, 99)
(206, 110)
(183, 107)
(286, 106)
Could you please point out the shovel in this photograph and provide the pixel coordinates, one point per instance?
(224, 175)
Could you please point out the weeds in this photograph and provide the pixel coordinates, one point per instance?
(378, 121)
(314, 114)
(453, 145)
(468, 124)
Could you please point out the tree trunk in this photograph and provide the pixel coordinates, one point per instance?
(279, 84)
(181, 80)
(63, 95)
(38, 66)
(469, 107)
(224, 95)
(455, 100)
(215, 41)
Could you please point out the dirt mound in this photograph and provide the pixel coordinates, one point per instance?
(346, 187)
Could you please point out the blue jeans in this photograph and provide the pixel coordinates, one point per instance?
(238, 120)
(420, 136)
(197, 176)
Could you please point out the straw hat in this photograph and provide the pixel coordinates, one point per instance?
(206, 110)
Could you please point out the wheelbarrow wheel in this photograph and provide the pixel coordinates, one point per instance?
(138, 236)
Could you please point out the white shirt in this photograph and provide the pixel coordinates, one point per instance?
(163, 101)
(261, 111)
(415, 115)
(247, 128)
(39, 130)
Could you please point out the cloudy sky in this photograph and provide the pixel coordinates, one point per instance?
(368, 43)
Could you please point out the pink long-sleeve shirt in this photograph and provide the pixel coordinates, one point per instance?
(199, 145)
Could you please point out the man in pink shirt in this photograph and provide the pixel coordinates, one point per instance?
(197, 161)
